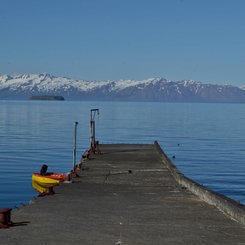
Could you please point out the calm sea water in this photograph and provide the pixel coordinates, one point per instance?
(207, 140)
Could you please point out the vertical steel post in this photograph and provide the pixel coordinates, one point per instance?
(92, 135)
(92, 129)
(75, 144)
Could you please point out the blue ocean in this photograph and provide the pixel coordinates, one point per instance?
(205, 141)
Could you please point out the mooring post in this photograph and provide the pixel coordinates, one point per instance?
(5, 217)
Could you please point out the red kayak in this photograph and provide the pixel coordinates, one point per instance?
(44, 183)
(52, 175)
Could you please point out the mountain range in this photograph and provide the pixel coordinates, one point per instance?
(153, 89)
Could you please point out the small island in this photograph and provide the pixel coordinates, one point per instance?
(46, 97)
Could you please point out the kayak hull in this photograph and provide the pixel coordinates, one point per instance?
(42, 183)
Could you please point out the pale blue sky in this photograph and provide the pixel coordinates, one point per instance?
(202, 40)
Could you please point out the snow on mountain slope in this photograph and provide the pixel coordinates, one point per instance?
(46, 82)
(242, 87)
(153, 89)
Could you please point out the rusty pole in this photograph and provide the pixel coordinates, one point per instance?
(93, 112)
(75, 145)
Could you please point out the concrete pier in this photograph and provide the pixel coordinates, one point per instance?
(128, 195)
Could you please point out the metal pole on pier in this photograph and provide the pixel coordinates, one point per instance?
(75, 144)
(93, 112)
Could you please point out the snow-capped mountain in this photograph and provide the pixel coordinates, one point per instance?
(242, 87)
(154, 89)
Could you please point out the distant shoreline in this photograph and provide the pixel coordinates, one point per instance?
(46, 97)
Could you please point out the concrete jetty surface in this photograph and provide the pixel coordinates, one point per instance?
(127, 195)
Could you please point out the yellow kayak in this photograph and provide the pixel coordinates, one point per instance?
(42, 183)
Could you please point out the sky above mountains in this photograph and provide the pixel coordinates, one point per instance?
(202, 40)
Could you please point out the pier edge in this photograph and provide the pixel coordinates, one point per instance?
(228, 206)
